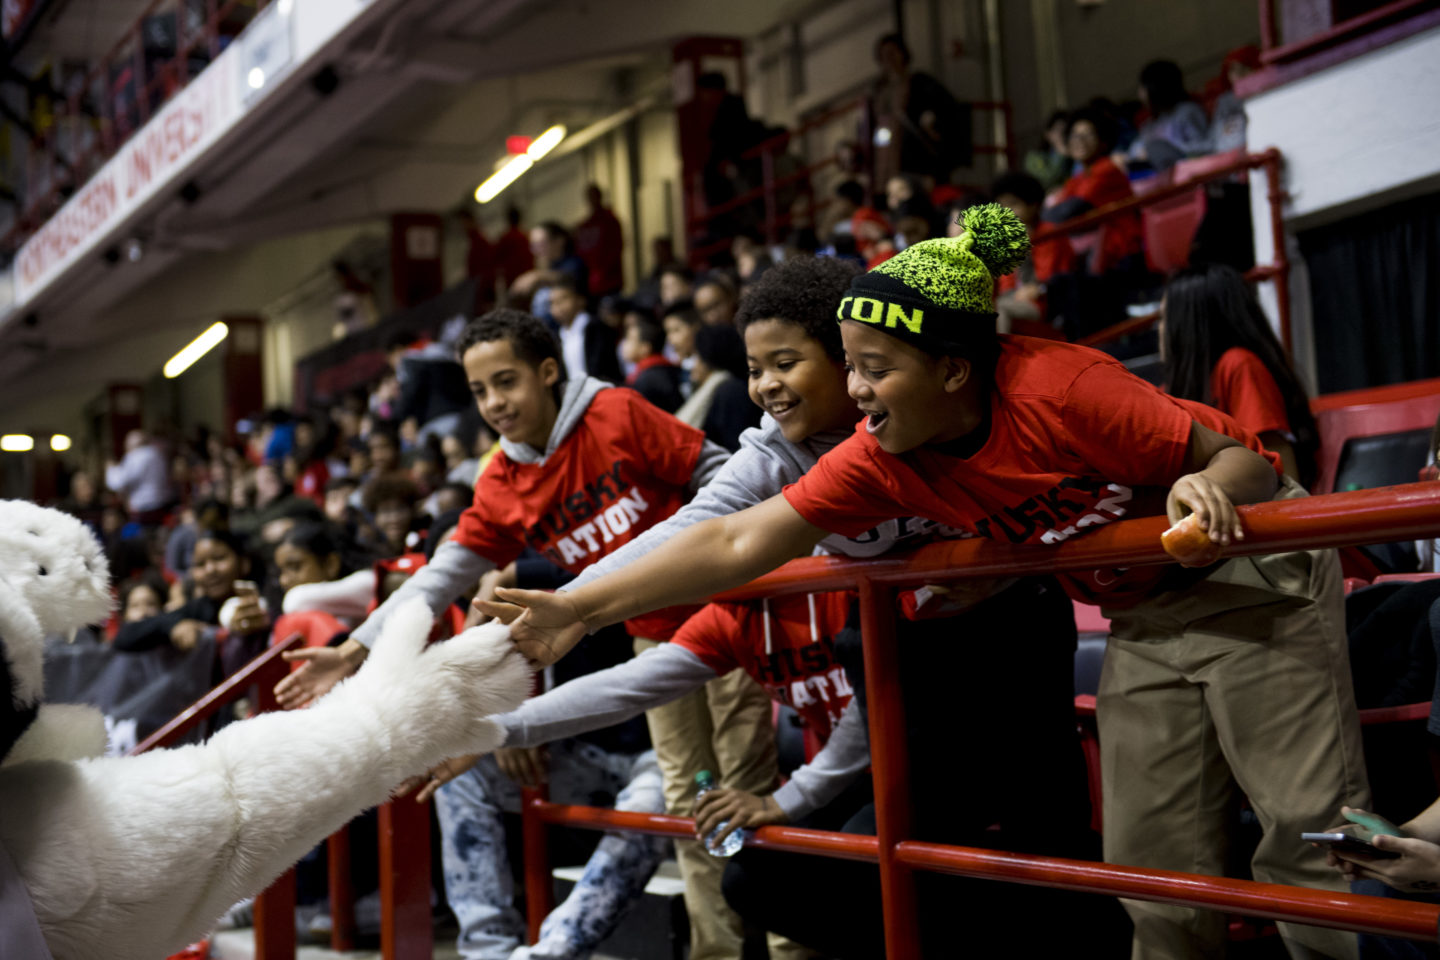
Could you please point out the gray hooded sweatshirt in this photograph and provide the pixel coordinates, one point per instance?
(455, 568)
(765, 463)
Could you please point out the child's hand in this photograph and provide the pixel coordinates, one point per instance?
(1199, 494)
(736, 809)
(527, 766)
(546, 630)
(321, 668)
(437, 777)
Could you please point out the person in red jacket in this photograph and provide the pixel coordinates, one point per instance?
(1105, 257)
(512, 249)
(601, 244)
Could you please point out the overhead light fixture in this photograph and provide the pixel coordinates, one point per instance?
(134, 249)
(256, 78)
(546, 142)
(195, 349)
(503, 177)
(59, 442)
(17, 443)
(518, 164)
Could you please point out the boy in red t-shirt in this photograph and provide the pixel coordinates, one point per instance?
(583, 469)
(1237, 672)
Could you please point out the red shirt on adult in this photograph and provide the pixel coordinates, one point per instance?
(600, 243)
(1241, 386)
(480, 258)
(1100, 183)
(786, 644)
(512, 254)
(1076, 441)
(625, 467)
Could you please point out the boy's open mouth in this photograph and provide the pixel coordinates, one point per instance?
(780, 409)
(874, 421)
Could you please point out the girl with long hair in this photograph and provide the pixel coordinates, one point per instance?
(1218, 348)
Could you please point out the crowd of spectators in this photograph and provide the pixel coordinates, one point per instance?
(305, 522)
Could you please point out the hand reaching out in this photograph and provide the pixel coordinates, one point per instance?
(544, 626)
(438, 777)
(321, 668)
(527, 766)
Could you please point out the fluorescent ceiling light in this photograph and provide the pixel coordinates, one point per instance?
(17, 442)
(59, 443)
(503, 177)
(518, 164)
(195, 349)
(546, 142)
(256, 78)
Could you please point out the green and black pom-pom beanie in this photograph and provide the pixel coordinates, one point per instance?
(940, 294)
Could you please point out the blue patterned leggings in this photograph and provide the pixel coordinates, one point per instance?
(478, 882)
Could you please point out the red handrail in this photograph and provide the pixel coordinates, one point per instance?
(264, 671)
(1363, 516)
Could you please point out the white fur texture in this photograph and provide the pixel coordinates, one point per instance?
(55, 581)
(132, 858)
(61, 731)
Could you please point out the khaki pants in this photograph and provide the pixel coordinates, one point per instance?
(724, 728)
(1240, 680)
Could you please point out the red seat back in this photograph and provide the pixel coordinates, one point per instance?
(1367, 413)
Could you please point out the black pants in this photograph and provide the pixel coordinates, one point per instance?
(995, 762)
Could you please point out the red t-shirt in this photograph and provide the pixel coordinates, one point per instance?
(799, 668)
(512, 254)
(623, 469)
(645, 363)
(599, 242)
(311, 482)
(1242, 387)
(1076, 441)
(1098, 184)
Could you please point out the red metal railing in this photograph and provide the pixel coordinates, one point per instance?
(1341, 519)
(1277, 270)
(91, 119)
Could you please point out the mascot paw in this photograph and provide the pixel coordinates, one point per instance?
(449, 686)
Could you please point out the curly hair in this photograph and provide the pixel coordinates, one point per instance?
(805, 291)
(531, 340)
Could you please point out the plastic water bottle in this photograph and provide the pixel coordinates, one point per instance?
(732, 843)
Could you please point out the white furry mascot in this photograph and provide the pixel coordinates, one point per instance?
(133, 858)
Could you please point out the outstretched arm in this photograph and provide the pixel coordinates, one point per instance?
(705, 559)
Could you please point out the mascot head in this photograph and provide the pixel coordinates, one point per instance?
(53, 580)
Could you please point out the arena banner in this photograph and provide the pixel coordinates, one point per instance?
(137, 692)
(182, 130)
(170, 145)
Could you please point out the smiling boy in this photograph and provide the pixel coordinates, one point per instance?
(583, 468)
(1032, 442)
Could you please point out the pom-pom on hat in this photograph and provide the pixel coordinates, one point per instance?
(941, 293)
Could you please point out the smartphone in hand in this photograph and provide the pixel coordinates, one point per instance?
(1351, 848)
(247, 588)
